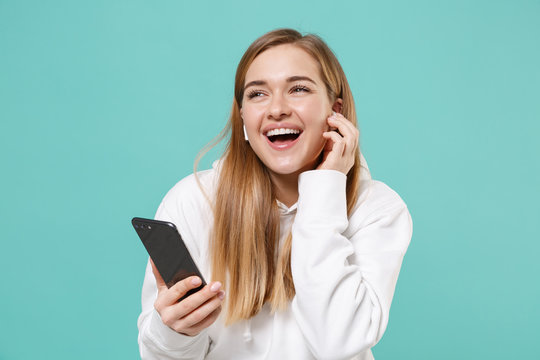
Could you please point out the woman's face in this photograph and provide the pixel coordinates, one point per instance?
(285, 109)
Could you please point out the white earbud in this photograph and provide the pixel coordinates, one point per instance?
(245, 134)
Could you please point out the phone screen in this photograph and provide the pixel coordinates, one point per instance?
(167, 250)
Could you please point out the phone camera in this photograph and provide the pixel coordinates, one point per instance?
(149, 228)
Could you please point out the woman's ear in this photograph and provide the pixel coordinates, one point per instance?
(338, 104)
(244, 126)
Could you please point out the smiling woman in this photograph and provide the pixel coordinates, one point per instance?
(302, 246)
(285, 110)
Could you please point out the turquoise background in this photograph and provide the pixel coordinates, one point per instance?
(105, 104)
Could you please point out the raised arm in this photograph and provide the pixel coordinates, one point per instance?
(345, 270)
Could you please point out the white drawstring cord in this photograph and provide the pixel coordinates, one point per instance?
(247, 331)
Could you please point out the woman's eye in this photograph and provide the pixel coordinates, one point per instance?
(299, 88)
(254, 93)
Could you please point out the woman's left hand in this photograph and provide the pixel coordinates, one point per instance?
(340, 149)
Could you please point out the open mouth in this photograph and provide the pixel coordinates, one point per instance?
(283, 136)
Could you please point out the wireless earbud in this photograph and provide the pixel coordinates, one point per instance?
(245, 133)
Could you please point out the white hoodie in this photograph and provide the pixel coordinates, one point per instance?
(344, 271)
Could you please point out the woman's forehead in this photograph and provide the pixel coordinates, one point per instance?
(281, 62)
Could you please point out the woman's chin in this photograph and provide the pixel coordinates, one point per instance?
(285, 169)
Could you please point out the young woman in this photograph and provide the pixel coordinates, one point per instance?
(303, 248)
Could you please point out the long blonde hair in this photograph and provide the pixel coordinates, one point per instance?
(245, 237)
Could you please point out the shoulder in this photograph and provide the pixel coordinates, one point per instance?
(190, 193)
(379, 205)
(187, 205)
(375, 196)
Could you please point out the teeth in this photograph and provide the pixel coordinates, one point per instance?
(282, 131)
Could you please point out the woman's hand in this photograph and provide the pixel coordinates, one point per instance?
(193, 314)
(340, 149)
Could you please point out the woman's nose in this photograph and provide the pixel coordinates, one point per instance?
(278, 107)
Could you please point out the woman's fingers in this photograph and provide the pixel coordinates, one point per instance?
(191, 312)
(170, 296)
(196, 300)
(347, 130)
(206, 322)
(202, 312)
(336, 145)
(341, 146)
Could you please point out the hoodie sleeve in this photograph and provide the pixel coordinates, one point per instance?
(345, 269)
(157, 340)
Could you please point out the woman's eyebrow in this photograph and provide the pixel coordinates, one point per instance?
(289, 79)
(255, 83)
(299, 78)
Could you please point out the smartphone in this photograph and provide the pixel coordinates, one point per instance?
(168, 251)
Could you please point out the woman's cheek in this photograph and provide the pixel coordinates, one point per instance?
(314, 115)
(251, 118)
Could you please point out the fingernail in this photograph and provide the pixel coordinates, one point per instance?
(196, 281)
(221, 295)
(215, 286)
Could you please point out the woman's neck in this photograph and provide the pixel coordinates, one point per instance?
(286, 187)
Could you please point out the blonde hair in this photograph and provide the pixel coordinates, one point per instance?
(244, 240)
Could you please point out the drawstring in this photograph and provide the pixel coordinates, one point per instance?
(247, 334)
(268, 351)
(247, 331)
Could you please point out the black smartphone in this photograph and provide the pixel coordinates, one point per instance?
(168, 251)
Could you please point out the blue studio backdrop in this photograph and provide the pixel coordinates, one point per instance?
(105, 104)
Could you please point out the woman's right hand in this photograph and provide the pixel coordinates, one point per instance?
(193, 314)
